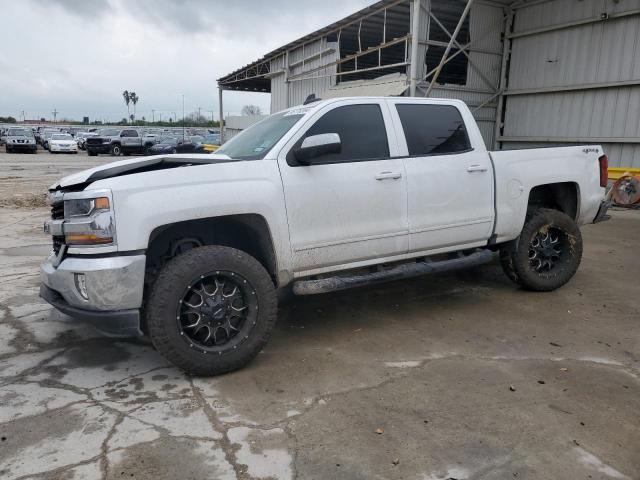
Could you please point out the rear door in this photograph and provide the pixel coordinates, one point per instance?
(351, 206)
(449, 182)
(130, 140)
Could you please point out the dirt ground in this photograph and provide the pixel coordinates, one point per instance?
(457, 376)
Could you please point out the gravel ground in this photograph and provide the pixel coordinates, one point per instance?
(452, 376)
(25, 177)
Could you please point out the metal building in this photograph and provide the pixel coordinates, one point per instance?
(534, 72)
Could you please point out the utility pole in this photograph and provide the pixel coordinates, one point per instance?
(153, 116)
(160, 113)
(199, 108)
(55, 114)
(183, 117)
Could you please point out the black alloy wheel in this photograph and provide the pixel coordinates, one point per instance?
(217, 312)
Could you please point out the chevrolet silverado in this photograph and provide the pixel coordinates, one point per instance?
(191, 249)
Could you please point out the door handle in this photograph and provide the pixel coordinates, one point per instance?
(476, 168)
(388, 176)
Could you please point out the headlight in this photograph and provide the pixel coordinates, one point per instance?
(84, 206)
(89, 221)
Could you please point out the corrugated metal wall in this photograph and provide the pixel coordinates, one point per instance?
(283, 96)
(486, 22)
(599, 55)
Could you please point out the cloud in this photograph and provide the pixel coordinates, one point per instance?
(82, 8)
(77, 56)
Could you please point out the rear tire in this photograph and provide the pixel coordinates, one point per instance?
(547, 253)
(179, 334)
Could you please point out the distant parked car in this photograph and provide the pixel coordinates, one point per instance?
(164, 146)
(118, 142)
(210, 144)
(169, 145)
(62, 142)
(20, 139)
(46, 136)
(81, 138)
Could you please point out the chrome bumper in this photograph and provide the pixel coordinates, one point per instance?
(114, 287)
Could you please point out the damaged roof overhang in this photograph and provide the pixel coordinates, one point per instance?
(241, 79)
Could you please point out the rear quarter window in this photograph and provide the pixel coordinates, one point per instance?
(433, 129)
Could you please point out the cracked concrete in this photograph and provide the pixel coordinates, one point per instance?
(463, 376)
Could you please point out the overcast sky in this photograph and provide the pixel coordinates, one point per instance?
(77, 56)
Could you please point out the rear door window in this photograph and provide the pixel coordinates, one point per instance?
(433, 129)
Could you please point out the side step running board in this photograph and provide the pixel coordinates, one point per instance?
(405, 270)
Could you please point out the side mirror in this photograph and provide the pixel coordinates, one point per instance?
(316, 146)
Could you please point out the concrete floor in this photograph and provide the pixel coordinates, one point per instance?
(457, 376)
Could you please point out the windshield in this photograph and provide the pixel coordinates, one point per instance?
(169, 141)
(214, 139)
(18, 132)
(108, 132)
(61, 136)
(255, 142)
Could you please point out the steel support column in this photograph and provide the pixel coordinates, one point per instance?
(506, 53)
(221, 125)
(415, 33)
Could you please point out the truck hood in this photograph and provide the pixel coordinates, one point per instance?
(80, 180)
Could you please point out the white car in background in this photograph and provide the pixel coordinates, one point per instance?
(62, 142)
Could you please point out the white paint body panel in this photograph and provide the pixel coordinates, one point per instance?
(519, 171)
(341, 213)
(324, 218)
(441, 216)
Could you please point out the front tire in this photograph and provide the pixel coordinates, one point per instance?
(211, 310)
(116, 150)
(547, 253)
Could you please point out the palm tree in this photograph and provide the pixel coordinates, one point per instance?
(134, 99)
(127, 99)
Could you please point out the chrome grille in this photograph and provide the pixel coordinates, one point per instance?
(57, 211)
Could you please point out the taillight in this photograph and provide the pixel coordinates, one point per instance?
(604, 170)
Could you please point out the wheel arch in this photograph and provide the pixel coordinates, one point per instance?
(562, 196)
(247, 232)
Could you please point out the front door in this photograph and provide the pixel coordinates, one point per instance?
(351, 206)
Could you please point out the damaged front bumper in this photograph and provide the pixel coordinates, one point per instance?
(105, 291)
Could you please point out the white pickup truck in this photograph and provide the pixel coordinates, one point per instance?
(191, 249)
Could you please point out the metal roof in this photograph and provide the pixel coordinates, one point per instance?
(255, 75)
